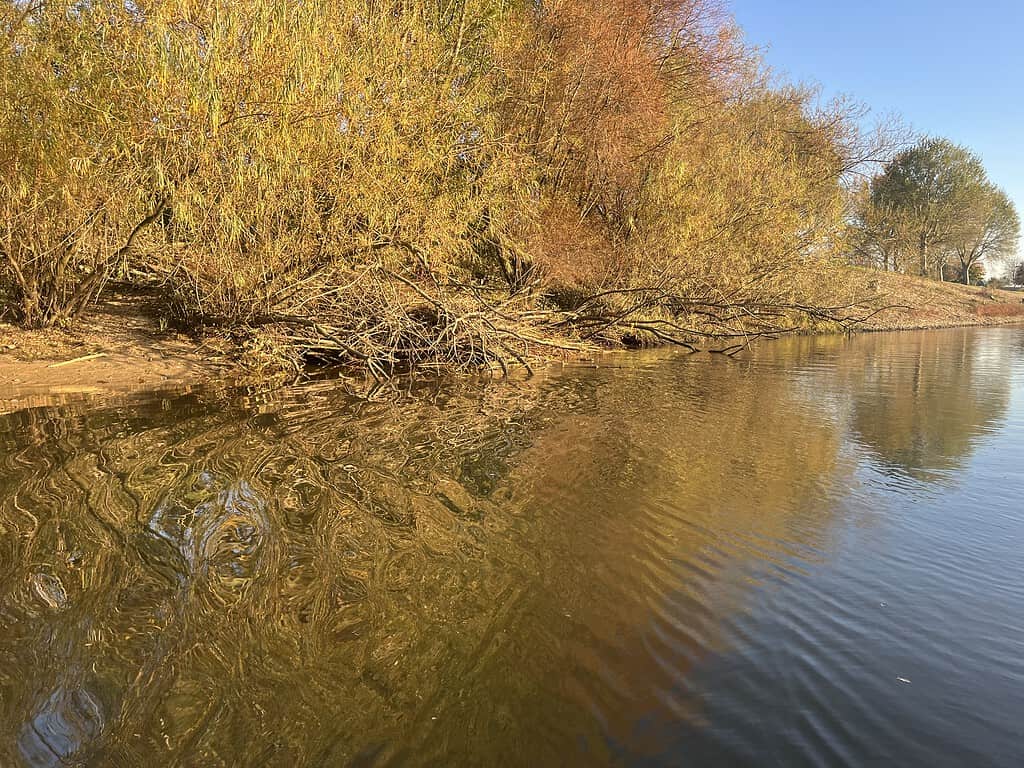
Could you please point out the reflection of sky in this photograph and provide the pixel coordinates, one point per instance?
(67, 722)
(903, 642)
(216, 521)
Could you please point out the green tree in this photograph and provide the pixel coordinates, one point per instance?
(989, 230)
(934, 203)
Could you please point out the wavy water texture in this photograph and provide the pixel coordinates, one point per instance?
(661, 561)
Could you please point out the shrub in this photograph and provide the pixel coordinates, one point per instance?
(72, 193)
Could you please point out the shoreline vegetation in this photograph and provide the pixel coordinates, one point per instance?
(449, 186)
(120, 346)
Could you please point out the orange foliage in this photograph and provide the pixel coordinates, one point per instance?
(574, 254)
(593, 96)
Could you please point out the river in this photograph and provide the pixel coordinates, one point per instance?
(812, 555)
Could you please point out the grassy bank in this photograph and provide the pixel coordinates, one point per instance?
(920, 303)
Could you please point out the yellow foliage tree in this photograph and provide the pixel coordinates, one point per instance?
(451, 182)
(73, 194)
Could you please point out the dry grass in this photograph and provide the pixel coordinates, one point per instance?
(1001, 310)
(919, 302)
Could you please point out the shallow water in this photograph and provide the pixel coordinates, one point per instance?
(812, 556)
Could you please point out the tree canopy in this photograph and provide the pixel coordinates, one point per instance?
(414, 182)
(933, 207)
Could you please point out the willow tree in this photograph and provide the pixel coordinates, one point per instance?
(381, 180)
(742, 218)
(73, 195)
(267, 159)
(676, 179)
(588, 97)
(307, 146)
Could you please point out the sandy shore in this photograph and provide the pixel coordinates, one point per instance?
(114, 350)
(119, 348)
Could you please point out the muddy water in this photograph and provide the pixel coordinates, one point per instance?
(813, 556)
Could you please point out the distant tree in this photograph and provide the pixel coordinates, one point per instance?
(989, 229)
(933, 205)
(1018, 274)
(877, 235)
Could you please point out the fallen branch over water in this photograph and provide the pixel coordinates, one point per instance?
(389, 322)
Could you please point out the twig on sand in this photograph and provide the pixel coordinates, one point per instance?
(77, 360)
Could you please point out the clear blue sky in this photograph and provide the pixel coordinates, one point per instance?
(949, 68)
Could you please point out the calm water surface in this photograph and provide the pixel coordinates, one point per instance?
(814, 556)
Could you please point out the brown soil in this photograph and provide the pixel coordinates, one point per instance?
(118, 348)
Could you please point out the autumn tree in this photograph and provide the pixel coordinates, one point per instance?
(274, 139)
(73, 196)
(934, 205)
(752, 194)
(589, 99)
(451, 183)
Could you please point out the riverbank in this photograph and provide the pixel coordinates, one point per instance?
(920, 303)
(120, 346)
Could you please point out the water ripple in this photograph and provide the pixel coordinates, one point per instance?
(806, 557)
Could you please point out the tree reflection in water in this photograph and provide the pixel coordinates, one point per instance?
(522, 573)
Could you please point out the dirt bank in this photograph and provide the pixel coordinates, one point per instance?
(118, 347)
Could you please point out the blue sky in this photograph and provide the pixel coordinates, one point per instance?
(949, 68)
